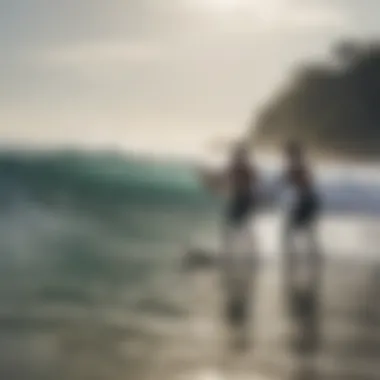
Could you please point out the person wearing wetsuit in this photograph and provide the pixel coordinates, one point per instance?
(241, 178)
(305, 209)
(239, 181)
(303, 215)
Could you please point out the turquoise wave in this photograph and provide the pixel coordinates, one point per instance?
(74, 222)
(106, 178)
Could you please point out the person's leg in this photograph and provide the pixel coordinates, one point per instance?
(227, 251)
(313, 287)
(247, 248)
(240, 287)
(314, 254)
(289, 254)
(234, 292)
(250, 271)
(246, 261)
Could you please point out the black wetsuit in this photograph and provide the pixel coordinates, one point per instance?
(241, 201)
(306, 208)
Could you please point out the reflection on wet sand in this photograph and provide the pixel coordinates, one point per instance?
(328, 330)
(238, 299)
(330, 335)
(336, 333)
(307, 338)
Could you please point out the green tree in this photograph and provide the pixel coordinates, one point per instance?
(332, 107)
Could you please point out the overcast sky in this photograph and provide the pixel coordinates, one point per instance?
(156, 74)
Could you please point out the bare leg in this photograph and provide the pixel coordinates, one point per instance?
(241, 285)
(247, 249)
(312, 295)
(289, 249)
(226, 262)
(314, 256)
(246, 261)
(251, 263)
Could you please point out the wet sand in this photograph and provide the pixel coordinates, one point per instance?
(340, 339)
(186, 337)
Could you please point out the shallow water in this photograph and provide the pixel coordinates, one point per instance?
(90, 280)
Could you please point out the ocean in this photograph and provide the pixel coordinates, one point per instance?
(90, 267)
(87, 238)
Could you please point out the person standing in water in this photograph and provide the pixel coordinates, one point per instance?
(238, 183)
(302, 217)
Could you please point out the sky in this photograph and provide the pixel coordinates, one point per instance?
(156, 75)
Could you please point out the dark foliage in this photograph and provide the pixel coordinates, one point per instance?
(332, 108)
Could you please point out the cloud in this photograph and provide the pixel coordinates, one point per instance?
(244, 17)
(279, 15)
(314, 16)
(99, 53)
(97, 61)
(255, 18)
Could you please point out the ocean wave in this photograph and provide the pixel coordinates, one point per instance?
(74, 224)
(78, 229)
(92, 179)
